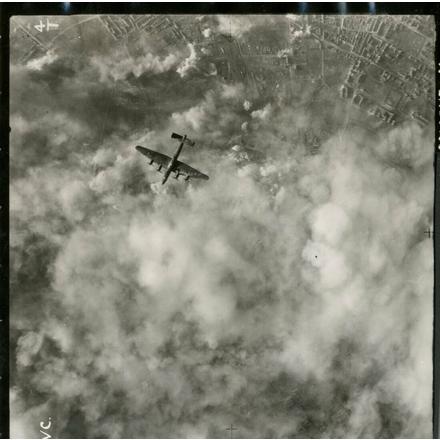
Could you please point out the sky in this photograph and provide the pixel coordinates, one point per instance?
(289, 295)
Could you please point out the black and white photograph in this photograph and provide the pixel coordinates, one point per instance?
(221, 225)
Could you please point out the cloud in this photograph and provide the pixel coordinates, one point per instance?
(215, 117)
(212, 69)
(207, 32)
(38, 63)
(118, 69)
(238, 25)
(138, 281)
(189, 63)
(262, 114)
(301, 32)
(293, 17)
(273, 292)
(234, 24)
(195, 116)
(28, 346)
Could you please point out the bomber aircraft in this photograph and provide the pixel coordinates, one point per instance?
(168, 165)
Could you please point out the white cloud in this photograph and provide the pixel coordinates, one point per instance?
(120, 68)
(39, 63)
(234, 25)
(188, 63)
(301, 32)
(212, 69)
(302, 276)
(230, 91)
(247, 105)
(195, 116)
(207, 32)
(329, 223)
(28, 346)
(262, 114)
(238, 25)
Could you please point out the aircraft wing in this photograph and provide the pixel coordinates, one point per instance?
(155, 157)
(189, 172)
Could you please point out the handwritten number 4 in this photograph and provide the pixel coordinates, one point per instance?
(40, 27)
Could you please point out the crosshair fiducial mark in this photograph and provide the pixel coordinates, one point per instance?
(231, 430)
(429, 233)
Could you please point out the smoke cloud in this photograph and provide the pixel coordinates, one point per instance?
(291, 297)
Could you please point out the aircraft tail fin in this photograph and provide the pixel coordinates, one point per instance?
(176, 136)
(181, 138)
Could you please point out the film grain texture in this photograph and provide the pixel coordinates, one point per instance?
(290, 295)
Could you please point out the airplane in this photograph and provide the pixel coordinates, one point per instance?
(168, 165)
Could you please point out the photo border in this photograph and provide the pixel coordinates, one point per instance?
(7, 10)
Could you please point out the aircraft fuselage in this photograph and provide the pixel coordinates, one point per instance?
(173, 161)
